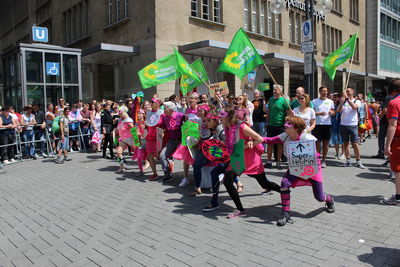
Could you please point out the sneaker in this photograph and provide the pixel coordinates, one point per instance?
(385, 164)
(323, 164)
(267, 191)
(210, 208)
(341, 157)
(34, 156)
(153, 177)
(237, 213)
(360, 165)
(6, 162)
(139, 174)
(346, 164)
(167, 178)
(391, 201)
(268, 165)
(59, 161)
(170, 166)
(13, 161)
(391, 174)
(45, 156)
(184, 182)
(330, 206)
(67, 159)
(285, 218)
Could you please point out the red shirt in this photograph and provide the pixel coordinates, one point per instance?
(393, 112)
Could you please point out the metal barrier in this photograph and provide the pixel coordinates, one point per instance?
(49, 138)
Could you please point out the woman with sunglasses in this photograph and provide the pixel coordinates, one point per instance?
(305, 112)
(234, 131)
(294, 131)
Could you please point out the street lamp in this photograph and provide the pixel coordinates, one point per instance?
(324, 6)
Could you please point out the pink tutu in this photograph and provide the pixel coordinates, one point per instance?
(182, 153)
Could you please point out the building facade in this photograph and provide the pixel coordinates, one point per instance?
(383, 42)
(119, 37)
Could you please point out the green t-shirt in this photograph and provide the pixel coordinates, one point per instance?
(295, 103)
(277, 111)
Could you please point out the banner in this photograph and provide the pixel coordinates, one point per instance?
(302, 158)
(135, 136)
(263, 87)
(190, 128)
(221, 86)
(339, 56)
(237, 158)
(241, 57)
(158, 72)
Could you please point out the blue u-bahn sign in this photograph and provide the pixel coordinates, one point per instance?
(40, 34)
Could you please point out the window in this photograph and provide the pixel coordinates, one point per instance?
(117, 10)
(76, 22)
(21, 10)
(390, 29)
(258, 18)
(331, 38)
(357, 50)
(207, 9)
(354, 10)
(296, 20)
(337, 5)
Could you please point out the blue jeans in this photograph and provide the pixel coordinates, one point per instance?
(29, 147)
(39, 135)
(259, 127)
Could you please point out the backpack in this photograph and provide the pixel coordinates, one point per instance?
(55, 127)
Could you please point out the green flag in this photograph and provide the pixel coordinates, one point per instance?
(189, 128)
(237, 157)
(241, 57)
(160, 71)
(184, 67)
(339, 56)
(187, 84)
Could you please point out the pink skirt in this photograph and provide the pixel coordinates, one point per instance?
(182, 153)
(151, 146)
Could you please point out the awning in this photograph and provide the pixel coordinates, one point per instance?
(104, 53)
(208, 48)
(376, 76)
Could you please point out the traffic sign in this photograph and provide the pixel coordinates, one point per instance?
(53, 68)
(40, 34)
(307, 31)
(308, 63)
(307, 47)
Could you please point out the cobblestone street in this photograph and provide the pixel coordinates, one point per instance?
(82, 213)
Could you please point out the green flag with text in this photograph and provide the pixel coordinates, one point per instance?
(187, 83)
(339, 56)
(241, 57)
(160, 71)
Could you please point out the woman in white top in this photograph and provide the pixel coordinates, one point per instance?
(305, 112)
(95, 119)
(27, 122)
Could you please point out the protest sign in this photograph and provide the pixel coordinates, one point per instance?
(189, 128)
(263, 87)
(221, 86)
(302, 158)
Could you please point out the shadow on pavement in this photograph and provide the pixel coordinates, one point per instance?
(382, 169)
(374, 175)
(381, 256)
(354, 200)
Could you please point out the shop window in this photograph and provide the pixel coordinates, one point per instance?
(207, 10)
(70, 68)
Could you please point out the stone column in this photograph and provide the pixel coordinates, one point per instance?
(286, 78)
(117, 88)
(319, 78)
(344, 79)
(237, 86)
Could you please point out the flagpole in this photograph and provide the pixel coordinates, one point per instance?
(270, 74)
(209, 87)
(351, 65)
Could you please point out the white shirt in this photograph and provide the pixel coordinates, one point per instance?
(349, 115)
(323, 106)
(307, 116)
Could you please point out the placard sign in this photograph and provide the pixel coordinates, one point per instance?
(302, 158)
(159, 139)
(221, 86)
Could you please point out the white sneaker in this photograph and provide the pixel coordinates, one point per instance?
(342, 157)
(360, 165)
(13, 161)
(323, 164)
(184, 182)
(6, 162)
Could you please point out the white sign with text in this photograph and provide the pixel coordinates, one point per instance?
(302, 158)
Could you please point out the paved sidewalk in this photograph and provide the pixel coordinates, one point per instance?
(82, 213)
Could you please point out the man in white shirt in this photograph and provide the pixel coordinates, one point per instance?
(324, 109)
(349, 125)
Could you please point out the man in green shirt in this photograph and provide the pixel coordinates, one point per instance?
(295, 102)
(278, 109)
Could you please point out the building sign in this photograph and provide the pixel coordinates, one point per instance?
(53, 68)
(40, 34)
(302, 6)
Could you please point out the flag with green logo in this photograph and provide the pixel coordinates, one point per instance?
(187, 83)
(241, 57)
(163, 70)
(339, 56)
(184, 67)
(189, 128)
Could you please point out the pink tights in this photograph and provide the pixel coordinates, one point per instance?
(141, 155)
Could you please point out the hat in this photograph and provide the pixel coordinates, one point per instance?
(211, 115)
(205, 107)
(120, 101)
(155, 100)
(170, 105)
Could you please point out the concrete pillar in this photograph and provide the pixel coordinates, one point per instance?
(344, 79)
(237, 86)
(117, 83)
(286, 78)
(319, 78)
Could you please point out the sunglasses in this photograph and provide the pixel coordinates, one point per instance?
(301, 98)
(288, 125)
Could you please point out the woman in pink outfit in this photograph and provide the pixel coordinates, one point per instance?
(125, 137)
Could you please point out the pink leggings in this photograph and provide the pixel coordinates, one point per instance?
(141, 155)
